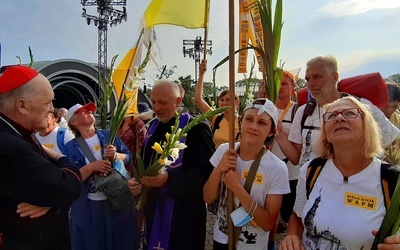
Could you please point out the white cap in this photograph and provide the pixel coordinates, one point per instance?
(264, 105)
(78, 107)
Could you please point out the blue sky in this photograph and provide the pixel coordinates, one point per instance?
(363, 34)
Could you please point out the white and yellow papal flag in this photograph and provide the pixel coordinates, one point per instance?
(191, 14)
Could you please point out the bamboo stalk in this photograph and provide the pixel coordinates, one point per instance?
(232, 111)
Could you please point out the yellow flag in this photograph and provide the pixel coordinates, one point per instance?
(121, 72)
(191, 14)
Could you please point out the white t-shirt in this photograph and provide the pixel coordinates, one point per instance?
(276, 150)
(63, 123)
(271, 178)
(94, 145)
(50, 140)
(311, 131)
(340, 215)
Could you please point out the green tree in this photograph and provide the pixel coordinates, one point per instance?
(253, 82)
(166, 73)
(394, 78)
(188, 100)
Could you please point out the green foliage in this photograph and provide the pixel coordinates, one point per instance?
(166, 73)
(269, 49)
(394, 78)
(272, 29)
(247, 93)
(31, 59)
(106, 87)
(391, 221)
(188, 100)
(168, 152)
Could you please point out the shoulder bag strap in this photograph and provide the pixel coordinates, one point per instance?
(247, 186)
(85, 148)
(252, 171)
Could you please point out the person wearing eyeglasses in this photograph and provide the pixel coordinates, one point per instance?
(255, 210)
(322, 76)
(94, 223)
(346, 203)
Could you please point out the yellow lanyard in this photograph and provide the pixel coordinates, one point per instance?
(285, 111)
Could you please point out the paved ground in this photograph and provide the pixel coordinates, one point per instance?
(209, 236)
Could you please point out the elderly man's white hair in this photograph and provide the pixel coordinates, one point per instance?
(176, 92)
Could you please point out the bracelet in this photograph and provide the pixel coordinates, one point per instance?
(251, 207)
(255, 207)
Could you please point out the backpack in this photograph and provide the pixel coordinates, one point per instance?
(294, 109)
(217, 121)
(60, 139)
(389, 175)
(309, 110)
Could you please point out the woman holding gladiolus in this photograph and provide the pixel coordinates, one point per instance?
(94, 223)
(257, 178)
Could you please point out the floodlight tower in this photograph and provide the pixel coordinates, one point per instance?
(198, 48)
(107, 15)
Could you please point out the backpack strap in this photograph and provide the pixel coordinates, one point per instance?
(389, 175)
(217, 121)
(313, 171)
(308, 111)
(60, 139)
(294, 109)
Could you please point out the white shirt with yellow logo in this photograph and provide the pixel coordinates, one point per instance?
(271, 178)
(341, 214)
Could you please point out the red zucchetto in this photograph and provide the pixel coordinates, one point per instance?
(16, 76)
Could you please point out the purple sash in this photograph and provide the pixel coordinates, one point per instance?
(161, 227)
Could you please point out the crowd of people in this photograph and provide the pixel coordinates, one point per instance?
(293, 167)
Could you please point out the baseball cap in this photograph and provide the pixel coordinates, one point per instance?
(78, 107)
(16, 76)
(264, 105)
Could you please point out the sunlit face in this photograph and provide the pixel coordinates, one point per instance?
(255, 128)
(165, 105)
(342, 129)
(51, 124)
(319, 82)
(287, 88)
(39, 104)
(84, 117)
(223, 101)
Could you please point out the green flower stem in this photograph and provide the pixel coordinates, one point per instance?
(391, 221)
(169, 145)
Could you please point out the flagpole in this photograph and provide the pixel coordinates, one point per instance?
(131, 63)
(232, 111)
(206, 15)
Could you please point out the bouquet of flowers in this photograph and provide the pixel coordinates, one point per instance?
(168, 152)
(128, 94)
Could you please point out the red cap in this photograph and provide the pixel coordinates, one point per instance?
(78, 107)
(16, 76)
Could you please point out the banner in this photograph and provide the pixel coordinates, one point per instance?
(250, 28)
(189, 14)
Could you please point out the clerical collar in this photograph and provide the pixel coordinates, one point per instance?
(18, 128)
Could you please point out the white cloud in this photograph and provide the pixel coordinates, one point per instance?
(355, 7)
